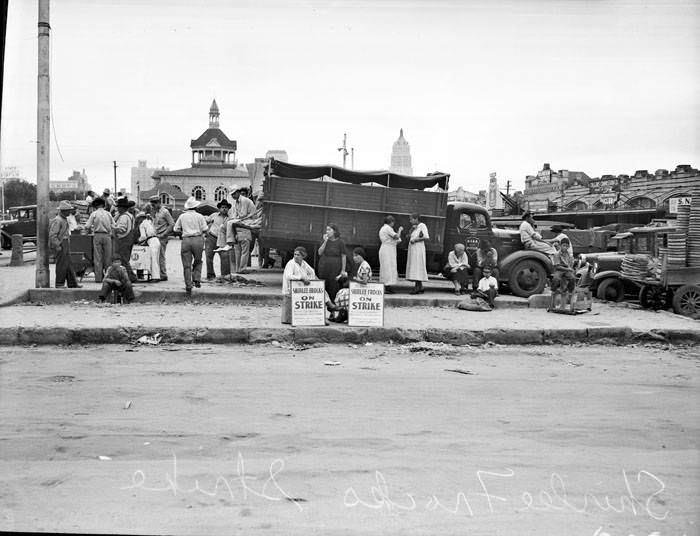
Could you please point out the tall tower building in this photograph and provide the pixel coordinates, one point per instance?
(401, 156)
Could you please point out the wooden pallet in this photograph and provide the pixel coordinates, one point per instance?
(571, 303)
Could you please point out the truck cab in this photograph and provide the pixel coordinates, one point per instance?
(523, 271)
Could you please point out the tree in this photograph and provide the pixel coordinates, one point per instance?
(19, 192)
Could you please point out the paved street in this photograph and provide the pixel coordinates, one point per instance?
(377, 439)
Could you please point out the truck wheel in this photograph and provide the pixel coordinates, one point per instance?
(653, 297)
(527, 277)
(686, 300)
(611, 289)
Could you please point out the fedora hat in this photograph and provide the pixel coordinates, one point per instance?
(124, 202)
(98, 202)
(154, 199)
(223, 203)
(191, 203)
(65, 205)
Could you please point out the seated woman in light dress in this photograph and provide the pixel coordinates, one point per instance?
(297, 269)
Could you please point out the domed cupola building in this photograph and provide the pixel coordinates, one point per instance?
(213, 173)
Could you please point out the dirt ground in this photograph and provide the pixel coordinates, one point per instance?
(375, 439)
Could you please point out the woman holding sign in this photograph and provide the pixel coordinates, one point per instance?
(331, 265)
(296, 270)
(415, 264)
(388, 273)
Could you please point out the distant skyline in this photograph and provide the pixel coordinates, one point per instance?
(478, 86)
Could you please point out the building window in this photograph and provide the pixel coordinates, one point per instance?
(199, 193)
(165, 199)
(220, 193)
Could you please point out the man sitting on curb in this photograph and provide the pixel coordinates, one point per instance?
(117, 280)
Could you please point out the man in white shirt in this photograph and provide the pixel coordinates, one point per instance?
(101, 223)
(531, 239)
(239, 236)
(193, 227)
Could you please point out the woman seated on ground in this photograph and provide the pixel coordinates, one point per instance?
(297, 269)
(363, 276)
(457, 269)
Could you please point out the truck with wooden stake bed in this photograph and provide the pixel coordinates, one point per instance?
(300, 201)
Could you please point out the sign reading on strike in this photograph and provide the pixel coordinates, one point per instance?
(366, 306)
(308, 303)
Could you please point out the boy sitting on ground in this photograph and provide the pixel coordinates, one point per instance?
(117, 280)
(488, 287)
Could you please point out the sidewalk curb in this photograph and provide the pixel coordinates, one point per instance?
(615, 336)
(20, 297)
(53, 296)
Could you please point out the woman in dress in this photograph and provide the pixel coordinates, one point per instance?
(457, 269)
(415, 265)
(388, 273)
(331, 265)
(363, 276)
(296, 269)
(147, 237)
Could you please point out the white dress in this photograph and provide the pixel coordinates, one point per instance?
(415, 265)
(388, 273)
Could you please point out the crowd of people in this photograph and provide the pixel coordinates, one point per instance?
(117, 225)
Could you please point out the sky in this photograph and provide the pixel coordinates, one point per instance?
(478, 86)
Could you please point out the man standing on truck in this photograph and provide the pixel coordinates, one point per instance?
(164, 223)
(531, 239)
(238, 236)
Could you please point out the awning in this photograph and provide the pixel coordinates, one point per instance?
(383, 178)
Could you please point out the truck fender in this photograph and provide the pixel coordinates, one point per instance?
(599, 276)
(506, 265)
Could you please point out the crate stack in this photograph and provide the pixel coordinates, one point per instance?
(693, 231)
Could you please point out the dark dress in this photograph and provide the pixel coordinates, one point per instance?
(330, 265)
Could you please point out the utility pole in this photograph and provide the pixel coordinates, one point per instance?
(508, 188)
(344, 148)
(115, 178)
(42, 274)
(352, 158)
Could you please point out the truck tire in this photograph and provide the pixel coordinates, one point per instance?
(527, 277)
(611, 289)
(686, 300)
(653, 297)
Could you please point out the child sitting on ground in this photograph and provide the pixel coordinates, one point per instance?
(117, 280)
(488, 287)
(363, 276)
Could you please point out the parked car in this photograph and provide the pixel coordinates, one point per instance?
(22, 221)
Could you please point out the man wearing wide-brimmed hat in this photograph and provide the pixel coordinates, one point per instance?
(164, 223)
(193, 227)
(59, 242)
(124, 234)
(216, 240)
(238, 234)
(101, 224)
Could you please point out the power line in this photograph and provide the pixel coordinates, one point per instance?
(53, 121)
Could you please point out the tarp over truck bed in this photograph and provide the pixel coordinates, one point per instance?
(297, 210)
(384, 178)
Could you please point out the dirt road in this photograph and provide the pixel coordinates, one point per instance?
(282, 440)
